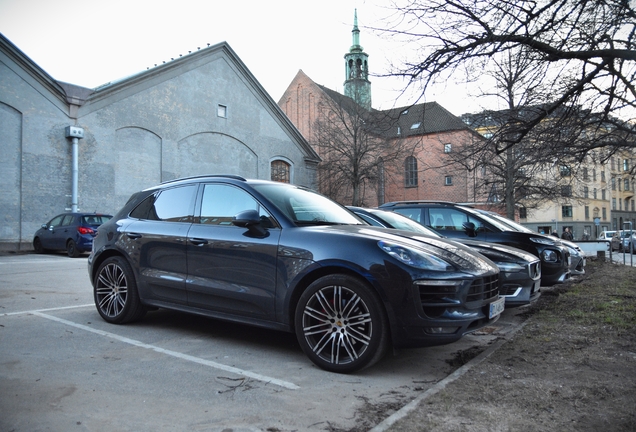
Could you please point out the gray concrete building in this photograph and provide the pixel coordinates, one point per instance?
(203, 113)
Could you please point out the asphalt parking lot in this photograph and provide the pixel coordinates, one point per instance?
(63, 368)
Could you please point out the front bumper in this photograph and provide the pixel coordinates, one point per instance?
(444, 312)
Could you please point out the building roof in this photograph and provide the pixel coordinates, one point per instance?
(420, 119)
(414, 120)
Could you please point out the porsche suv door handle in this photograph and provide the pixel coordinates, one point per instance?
(198, 241)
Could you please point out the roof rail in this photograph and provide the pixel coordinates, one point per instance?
(230, 176)
(392, 203)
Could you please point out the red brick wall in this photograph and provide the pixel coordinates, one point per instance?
(300, 102)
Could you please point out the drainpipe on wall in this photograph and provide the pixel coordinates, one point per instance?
(75, 133)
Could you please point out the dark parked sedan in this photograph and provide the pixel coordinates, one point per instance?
(520, 271)
(72, 232)
(457, 221)
(284, 257)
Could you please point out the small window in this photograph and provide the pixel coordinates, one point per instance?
(565, 170)
(448, 180)
(221, 111)
(280, 171)
(523, 213)
(447, 148)
(415, 125)
(566, 191)
(626, 183)
(566, 211)
(410, 172)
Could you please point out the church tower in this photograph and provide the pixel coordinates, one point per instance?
(357, 85)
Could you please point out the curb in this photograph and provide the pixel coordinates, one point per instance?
(411, 406)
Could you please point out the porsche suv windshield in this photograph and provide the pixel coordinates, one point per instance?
(305, 207)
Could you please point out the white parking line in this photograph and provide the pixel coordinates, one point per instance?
(215, 365)
(35, 260)
(48, 310)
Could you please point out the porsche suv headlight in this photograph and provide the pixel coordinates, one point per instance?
(413, 257)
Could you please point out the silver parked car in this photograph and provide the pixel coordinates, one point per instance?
(577, 258)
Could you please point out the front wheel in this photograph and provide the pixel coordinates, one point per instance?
(115, 291)
(37, 246)
(341, 325)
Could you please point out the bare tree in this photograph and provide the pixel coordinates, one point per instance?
(585, 50)
(355, 153)
(514, 173)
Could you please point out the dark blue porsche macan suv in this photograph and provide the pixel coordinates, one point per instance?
(284, 257)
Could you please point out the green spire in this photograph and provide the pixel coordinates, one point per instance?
(357, 85)
(355, 47)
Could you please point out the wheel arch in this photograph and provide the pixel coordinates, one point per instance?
(103, 256)
(336, 269)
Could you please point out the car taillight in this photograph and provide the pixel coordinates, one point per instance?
(84, 230)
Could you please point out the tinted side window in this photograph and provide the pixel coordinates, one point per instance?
(222, 202)
(95, 220)
(68, 220)
(170, 205)
(449, 219)
(411, 213)
(56, 221)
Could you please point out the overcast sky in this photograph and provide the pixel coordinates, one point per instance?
(92, 42)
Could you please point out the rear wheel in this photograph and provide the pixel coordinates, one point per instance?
(115, 291)
(71, 249)
(341, 325)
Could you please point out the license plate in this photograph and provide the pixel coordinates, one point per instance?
(496, 307)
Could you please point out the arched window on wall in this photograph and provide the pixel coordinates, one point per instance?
(280, 171)
(410, 172)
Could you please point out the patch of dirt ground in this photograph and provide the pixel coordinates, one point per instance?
(571, 367)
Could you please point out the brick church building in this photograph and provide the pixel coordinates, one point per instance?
(426, 133)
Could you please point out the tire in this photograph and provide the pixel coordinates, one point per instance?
(115, 291)
(71, 249)
(37, 246)
(341, 325)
